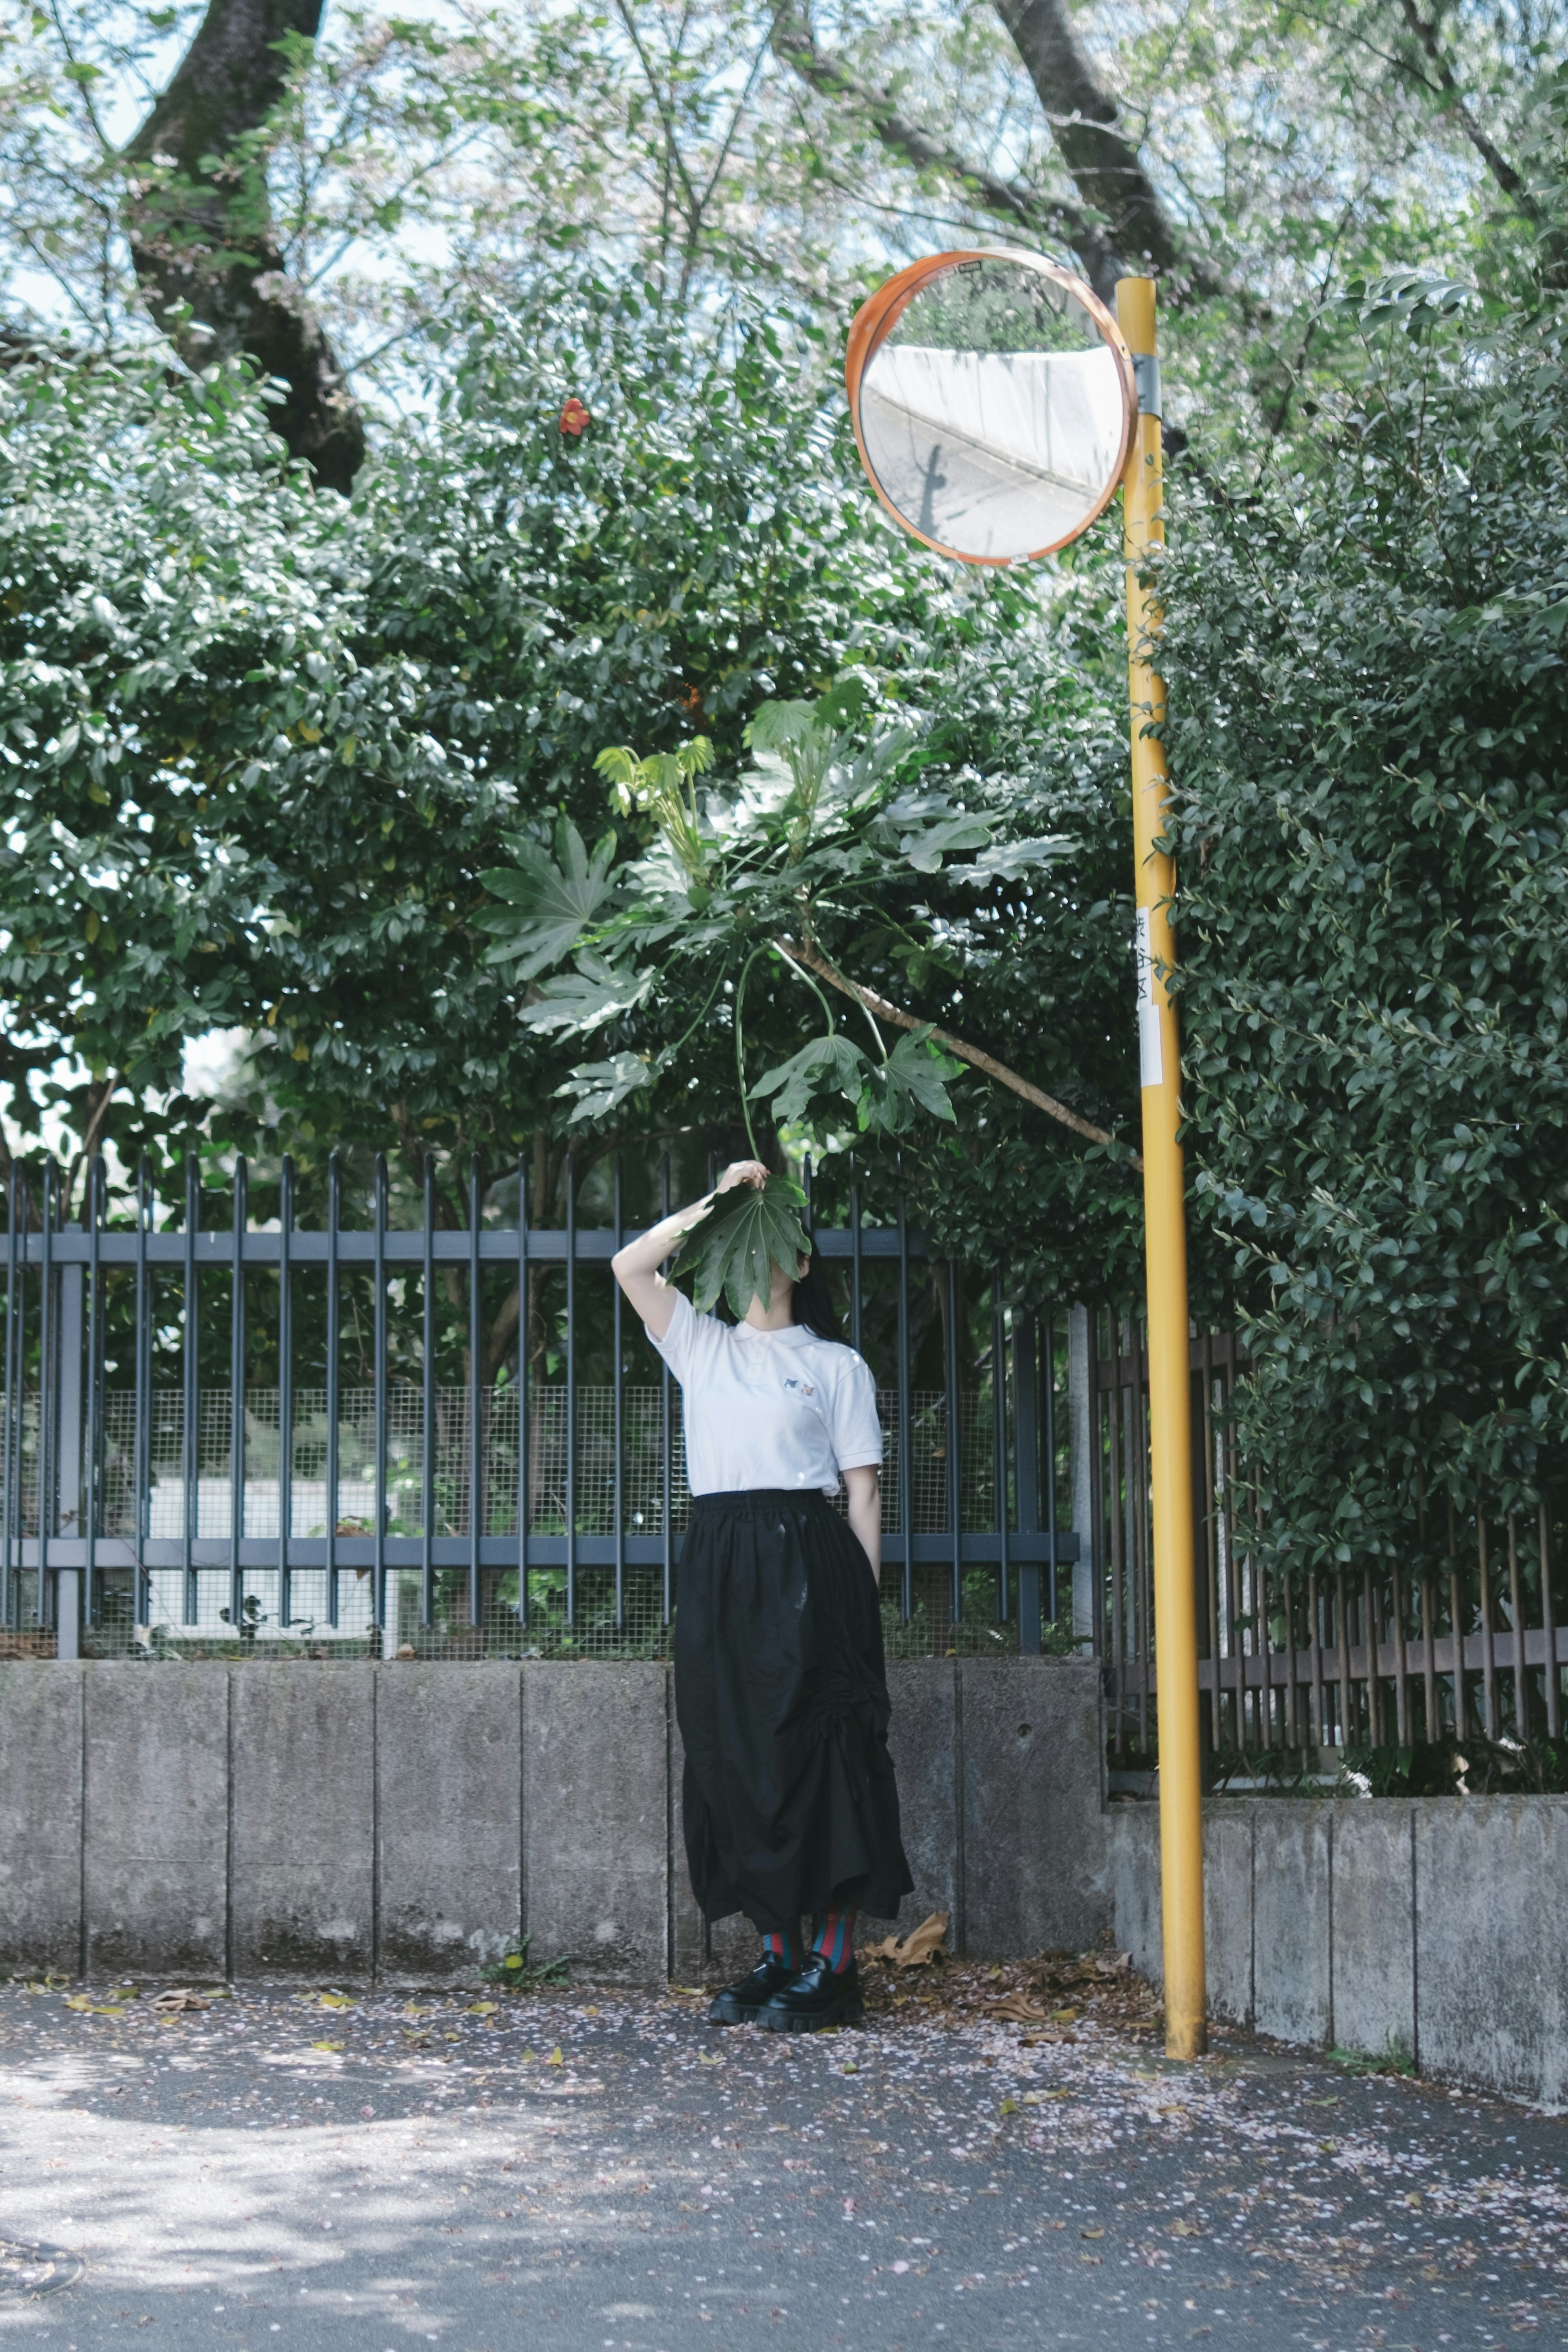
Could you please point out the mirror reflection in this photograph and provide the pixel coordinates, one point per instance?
(993, 414)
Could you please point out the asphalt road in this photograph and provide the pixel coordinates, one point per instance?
(582, 2172)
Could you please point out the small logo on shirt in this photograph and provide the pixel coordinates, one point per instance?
(804, 1386)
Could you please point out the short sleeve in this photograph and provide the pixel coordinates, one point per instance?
(689, 1338)
(856, 1429)
(676, 1346)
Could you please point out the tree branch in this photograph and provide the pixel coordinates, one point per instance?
(795, 43)
(804, 952)
(1496, 164)
(1107, 169)
(200, 224)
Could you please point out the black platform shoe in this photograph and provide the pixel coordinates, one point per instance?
(743, 2003)
(815, 1999)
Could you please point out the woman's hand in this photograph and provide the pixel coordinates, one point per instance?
(742, 1171)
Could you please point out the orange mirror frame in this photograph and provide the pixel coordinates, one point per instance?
(880, 314)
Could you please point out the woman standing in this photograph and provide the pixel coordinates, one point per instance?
(789, 1802)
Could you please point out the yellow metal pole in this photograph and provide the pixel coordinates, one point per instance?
(1165, 1234)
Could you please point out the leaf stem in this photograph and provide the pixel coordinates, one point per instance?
(740, 1049)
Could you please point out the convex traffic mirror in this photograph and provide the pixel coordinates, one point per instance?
(993, 402)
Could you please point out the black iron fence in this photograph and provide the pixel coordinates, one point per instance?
(250, 1434)
(1473, 1648)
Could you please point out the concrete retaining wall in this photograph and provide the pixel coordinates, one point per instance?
(1435, 1926)
(408, 1821)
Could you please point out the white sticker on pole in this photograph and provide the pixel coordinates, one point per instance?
(1151, 1058)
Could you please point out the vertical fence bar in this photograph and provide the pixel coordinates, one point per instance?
(854, 1255)
(141, 1443)
(524, 1503)
(571, 1389)
(1314, 1638)
(11, 1580)
(476, 1396)
(190, 1382)
(1032, 1586)
(906, 1466)
(667, 1473)
(1516, 1610)
(48, 1393)
(999, 1444)
(236, 1399)
(1211, 1537)
(1401, 1677)
(1117, 1518)
(92, 1479)
(1047, 1391)
(335, 1335)
(954, 1442)
(1429, 1656)
(285, 1393)
(618, 1412)
(1456, 1615)
(1096, 1481)
(378, 1404)
(428, 1398)
(1141, 1615)
(1549, 1621)
(1489, 1662)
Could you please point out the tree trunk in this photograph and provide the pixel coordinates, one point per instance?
(201, 231)
(1107, 169)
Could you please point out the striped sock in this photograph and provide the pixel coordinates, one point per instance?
(835, 1939)
(781, 1944)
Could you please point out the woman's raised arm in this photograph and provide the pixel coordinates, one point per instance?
(637, 1267)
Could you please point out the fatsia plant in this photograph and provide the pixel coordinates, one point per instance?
(748, 1232)
(800, 850)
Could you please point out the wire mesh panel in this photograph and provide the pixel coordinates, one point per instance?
(339, 1490)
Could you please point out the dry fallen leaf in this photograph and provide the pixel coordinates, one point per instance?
(176, 2001)
(1183, 2229)
(77, 2000)
(1091, 2233)
(921, 1944)
(327, 2045)
(335, 2001)
(1113, 1964)
(555, 2059)
(482, 2009)
(1018, 2008)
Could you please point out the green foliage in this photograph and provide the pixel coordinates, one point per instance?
(1370, 731)
(749, 1231)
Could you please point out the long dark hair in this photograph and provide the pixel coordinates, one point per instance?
(812, 1301)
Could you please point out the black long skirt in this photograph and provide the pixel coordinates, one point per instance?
(789, 1802)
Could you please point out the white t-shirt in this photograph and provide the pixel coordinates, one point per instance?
(768, 1408)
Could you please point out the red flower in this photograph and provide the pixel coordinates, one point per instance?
(574, 417)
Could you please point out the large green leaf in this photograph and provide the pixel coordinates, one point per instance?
(575, 1002)
(735, 1248)
(827, 1061)
(914, 1078)
(596, 1088)
(550, 904)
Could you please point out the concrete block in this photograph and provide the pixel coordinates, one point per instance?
(595, 1817)
(1375, 1927)
(1035, 1865)
(1290, 1967)
(40, 1817)
(448, 1745)
(1228, 1910)
(156, 1859)
(1491, 1943)
(922, 1742)
(303, 1833)
(1132, 1837)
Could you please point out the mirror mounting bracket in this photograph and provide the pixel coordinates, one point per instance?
(1146, 380)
